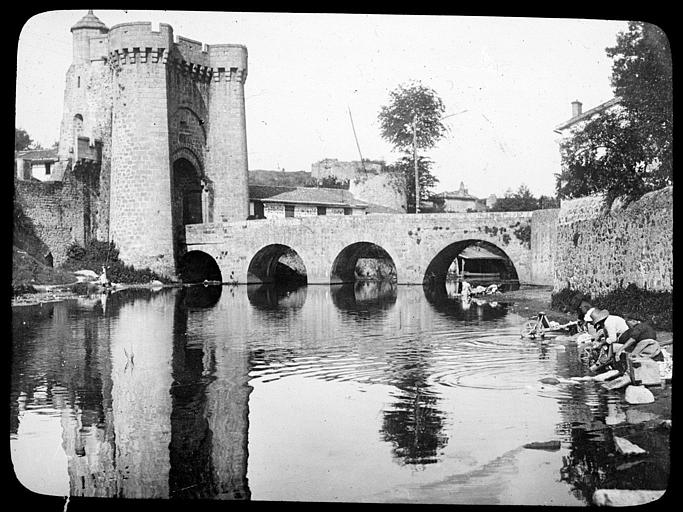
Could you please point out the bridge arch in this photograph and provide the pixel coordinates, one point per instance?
(198, 266)
(276, 263)
(484, 258)
(344, 267)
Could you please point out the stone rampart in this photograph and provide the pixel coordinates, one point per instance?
(597, 251)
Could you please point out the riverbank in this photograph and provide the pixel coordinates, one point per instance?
(58, 293)
(530, 300)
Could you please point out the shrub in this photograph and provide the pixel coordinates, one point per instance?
(22, 289)
(97, 254)
(656, 308)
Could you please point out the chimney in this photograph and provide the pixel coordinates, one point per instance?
(576, 108)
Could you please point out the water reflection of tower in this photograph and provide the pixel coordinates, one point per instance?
(210, 392)
(85, 402)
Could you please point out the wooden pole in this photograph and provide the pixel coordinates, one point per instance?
(417, 181)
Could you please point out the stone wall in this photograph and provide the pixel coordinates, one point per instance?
(56, 211)
(543, 241)
(597, 252)
(140, 206)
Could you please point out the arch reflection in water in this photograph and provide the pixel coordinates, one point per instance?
(461, 308)
(276, 296)
(199, 296)
(364, 296)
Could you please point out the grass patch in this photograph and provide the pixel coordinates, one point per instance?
(27, 271)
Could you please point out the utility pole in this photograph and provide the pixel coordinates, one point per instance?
(417, 181)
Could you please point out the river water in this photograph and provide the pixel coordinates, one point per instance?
(357, 393)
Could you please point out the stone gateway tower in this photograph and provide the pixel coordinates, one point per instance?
(169, 114)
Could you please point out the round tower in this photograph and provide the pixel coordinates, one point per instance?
(87, 27)
(227, 164)
(79, 99)
(140, 198)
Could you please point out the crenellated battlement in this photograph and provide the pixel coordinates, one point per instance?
(126, 87)
(137, 38)
(130, 43)
(128, 56)
(192, 51)
(229, 62)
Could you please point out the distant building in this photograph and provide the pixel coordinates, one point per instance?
(36, 164)
(491, 201)
(344, 170)
(460, 200)
(273, 202)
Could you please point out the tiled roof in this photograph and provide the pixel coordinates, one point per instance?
(38, 154)
(458, 195)
(587, 114)
(305, 195)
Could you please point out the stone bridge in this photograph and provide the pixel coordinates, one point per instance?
(419, 246)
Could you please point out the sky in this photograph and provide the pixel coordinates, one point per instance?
(509, 82)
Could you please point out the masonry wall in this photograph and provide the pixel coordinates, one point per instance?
(227, 164)
(140, 214)
(543, 244)
(598, 252)
(56, 210)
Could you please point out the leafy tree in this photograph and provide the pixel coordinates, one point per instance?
(411, 122)
(427, 180)
(626, 151)
(523, 200)
(22, 140)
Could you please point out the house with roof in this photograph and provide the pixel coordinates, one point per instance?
(461, 201)
(579, 117)
(46, 164)
(36, 164)
(267, 202)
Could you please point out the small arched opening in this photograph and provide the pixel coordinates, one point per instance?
(198, 267)
(277, 264)
(478, 262)
(363, 261)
